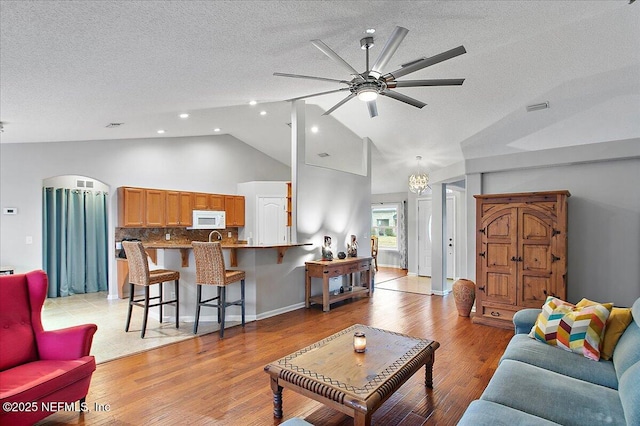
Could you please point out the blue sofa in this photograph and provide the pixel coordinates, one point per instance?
(538, 384)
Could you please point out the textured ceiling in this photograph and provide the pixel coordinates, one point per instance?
(67, 68)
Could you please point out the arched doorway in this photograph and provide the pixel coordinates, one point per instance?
(74, 228)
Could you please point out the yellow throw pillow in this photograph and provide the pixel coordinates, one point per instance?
(617, 323)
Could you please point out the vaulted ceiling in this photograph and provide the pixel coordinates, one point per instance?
(68, 68)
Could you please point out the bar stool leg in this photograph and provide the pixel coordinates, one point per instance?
(242, 298)
(218, 289)
(131, 291)
(146, 311)
(160, 302)
(221, 311)
(199, 300)
(177, 306)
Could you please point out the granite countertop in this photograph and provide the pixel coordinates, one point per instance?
(238, 245)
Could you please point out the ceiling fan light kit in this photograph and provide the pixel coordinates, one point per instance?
(372, 82)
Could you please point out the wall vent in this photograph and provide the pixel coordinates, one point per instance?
(89, 184)
(80, 183)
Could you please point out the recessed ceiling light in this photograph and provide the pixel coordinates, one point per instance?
(314, 129)
(184, 115)
(252, 103)
(370, 30)
(217, 129)
(263, 112)
(161, 131)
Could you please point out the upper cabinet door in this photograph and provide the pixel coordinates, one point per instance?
(216, 202)
(234, 208)
(155, 206)
(130, 207)
(178, 208)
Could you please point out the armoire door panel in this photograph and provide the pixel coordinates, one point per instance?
(536, 258)
(500, 227)
(535, 228)
(534, 291)
(499, 287)
(498, 255)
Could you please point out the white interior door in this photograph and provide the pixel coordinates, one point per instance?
(272, 220)
(425, 218)
(451, 237)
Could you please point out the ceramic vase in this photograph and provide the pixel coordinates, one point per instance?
(464, 294)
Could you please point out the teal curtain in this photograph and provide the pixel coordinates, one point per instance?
(75, 241)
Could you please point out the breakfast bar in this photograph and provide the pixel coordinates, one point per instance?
(233, 247)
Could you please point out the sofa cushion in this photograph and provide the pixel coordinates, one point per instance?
(627, 351)
(524, 349)
(15, 323)
(617, 323)
(488, 413)
(35, 380)
(630, 394)
(578, 330)
(553, 396)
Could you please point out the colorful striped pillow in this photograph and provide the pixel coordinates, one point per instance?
(578, 330)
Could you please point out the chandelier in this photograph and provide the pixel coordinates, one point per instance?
(419, 180)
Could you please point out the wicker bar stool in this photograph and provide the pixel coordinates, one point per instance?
(210, 270)
(139, 274)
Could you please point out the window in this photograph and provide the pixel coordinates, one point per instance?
(384, 224)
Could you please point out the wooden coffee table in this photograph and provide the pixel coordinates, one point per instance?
(357, 384)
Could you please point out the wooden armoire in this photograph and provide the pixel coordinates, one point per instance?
(521, 253)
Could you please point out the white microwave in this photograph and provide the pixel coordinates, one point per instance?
(209, 219)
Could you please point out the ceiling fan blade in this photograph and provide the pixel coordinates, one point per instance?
(373, 108)
(403, 98)
(281, 74)
(339, 104)
(423, 83)
(318, 94)
(425, 62)
(389, 49)
(333, 55)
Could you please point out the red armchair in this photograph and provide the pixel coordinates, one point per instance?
(40, 371)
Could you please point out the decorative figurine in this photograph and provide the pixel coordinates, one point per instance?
(352, 247)
(326, 249)
(341, 255)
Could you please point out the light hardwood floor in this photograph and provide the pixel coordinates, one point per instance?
(206, 380)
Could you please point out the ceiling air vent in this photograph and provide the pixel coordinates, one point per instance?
(323, 154)
(112, 125)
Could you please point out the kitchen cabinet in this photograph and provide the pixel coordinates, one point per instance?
(179, 207)
(131, 207)
(234, 208)
(216, 202)
(203, 201)
(521, 253)
(155, 208)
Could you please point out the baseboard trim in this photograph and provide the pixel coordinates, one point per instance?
(440, 293)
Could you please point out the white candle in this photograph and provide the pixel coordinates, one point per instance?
(359, 342)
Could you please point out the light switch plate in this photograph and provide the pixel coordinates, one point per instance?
(167, 236)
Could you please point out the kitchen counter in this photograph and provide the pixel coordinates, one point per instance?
(184, 248)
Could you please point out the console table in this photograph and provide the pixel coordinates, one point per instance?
(326, 269)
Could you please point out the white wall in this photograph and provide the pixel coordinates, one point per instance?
(204, 163)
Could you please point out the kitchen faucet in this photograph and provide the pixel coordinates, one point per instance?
(215, 232)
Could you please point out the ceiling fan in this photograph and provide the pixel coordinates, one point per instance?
(371, 83)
